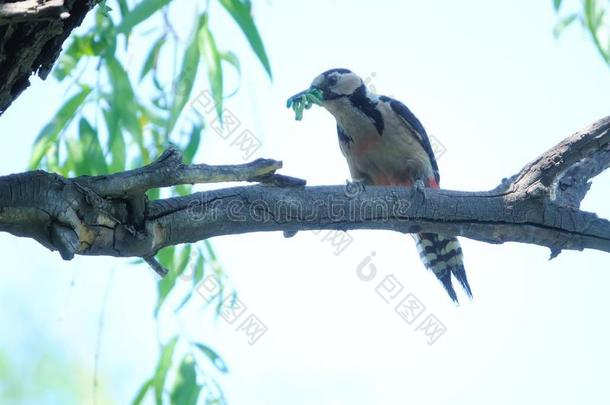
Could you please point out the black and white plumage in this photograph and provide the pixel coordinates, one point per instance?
(385, 144)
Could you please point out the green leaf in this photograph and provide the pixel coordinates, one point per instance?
(233, 60)
(94, 162)
(142, 392)
(85, 155)
(139, 13)
(153, 194)
(557, 5)
(186, 390)
(197, 277)
(198, 272)
(165, 362)
(50, 133)
(590, 11)
(183, 260)
(124, 103)
(149, 115)
(165, 285)
(186, 299)
(116, 143)
(240, 10)
(193, 145)
(213, 356)
(207, 46)
(64, 67)
(183, 189)
(80, 47)
(564, 23)
(123, 7)
(210, 249)
(175, 267)
(153, 57)
(186, 77)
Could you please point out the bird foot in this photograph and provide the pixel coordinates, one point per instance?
(353, 188)
(420, 187)
(289, 234)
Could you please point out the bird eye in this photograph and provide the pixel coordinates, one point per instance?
(332, 80)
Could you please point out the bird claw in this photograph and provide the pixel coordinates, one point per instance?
(420, 187)
(289, 234)
(353, 188)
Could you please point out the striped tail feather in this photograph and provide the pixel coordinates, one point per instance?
(443, 256)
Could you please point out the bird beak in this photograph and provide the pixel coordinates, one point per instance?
(304, 100)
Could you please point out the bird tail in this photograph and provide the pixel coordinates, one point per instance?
(443, 256)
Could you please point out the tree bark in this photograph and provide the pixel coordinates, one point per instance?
(31, 35)
(111, 215)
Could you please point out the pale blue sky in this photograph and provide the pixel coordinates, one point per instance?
(492, 84)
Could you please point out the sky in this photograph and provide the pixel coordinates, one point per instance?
(492, 85)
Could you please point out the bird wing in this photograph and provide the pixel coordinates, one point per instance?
(416, 128)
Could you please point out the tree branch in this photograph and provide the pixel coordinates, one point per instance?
(32, 33)
(32, 10)
(110, 215)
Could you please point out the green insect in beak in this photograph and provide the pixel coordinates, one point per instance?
(304, 100)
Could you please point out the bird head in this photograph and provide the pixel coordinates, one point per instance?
(327, 89)
(337, 83)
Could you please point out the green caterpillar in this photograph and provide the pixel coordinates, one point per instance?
(303, 101)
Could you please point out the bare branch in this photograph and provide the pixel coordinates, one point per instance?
(563, 172)
(110, 215)
(168, 170)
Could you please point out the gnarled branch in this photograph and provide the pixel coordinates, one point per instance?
(110, 215)
(32, 33)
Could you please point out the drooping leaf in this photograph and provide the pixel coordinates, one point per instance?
(213, 356)
(85, 155)
(564, 23)
(165, 362)
(210, 251)
(193, 144)
(233, 60)
(139, 13)
(197, 275)
(183, 259)
(124, 103)
(198, 272)
(209, 50)
(240, 10)
(116, 144)
(176, 267)
(557, 5)
(79, 48)
(123, 7)
(186, 390)
(150, 116)
(142, 392)
(50, 133)
(165, 285)
(590, 13)
(186, 77)
(94, 162)
(152, 57)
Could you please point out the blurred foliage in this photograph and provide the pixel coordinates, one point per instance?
(593, 17)
(124, 106)
(41, 365)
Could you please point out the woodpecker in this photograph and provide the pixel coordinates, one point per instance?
(385, 144)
